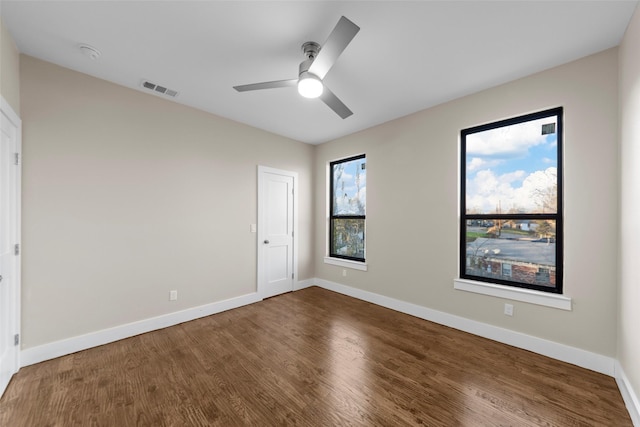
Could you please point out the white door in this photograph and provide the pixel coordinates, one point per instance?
(276, 214)
(9, 263)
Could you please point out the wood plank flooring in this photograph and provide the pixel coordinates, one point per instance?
(309, 358)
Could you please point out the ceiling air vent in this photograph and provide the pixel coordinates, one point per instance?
(159, 89)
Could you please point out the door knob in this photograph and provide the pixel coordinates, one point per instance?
(266, 242)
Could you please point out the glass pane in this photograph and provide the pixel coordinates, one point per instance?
(513, 169)
(350, 187)
(347, 237)
(521, 251)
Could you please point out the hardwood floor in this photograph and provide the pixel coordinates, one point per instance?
(309, 358)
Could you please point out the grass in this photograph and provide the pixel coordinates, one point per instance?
(473, 235)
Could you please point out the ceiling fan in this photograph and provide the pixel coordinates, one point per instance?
(315, 67)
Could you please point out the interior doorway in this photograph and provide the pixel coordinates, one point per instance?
(277, 224)
(10, 161)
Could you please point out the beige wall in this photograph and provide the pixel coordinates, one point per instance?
(127, 196)
(9, 69)
(629, 316)
(412, 203)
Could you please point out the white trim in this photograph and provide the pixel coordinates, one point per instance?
(347, 263)
(517, 294)
(260, 237)
(585, 359)
(15, 326)
(596, 362)
(301, 284)
(628, 395)
(93, 339)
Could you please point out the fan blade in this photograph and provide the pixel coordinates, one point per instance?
(267, 85)
(335, 104)
(337, 41)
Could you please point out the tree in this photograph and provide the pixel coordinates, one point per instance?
(360, 209)
(475, 258)
(545, 229)
(496, 229)
(337, 180)
(547, 198)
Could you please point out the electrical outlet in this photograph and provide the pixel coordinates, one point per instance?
(173, 295)
(508, 309)
(344, 272)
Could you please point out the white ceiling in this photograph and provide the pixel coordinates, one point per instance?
(408, 56)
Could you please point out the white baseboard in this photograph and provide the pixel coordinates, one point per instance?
(596, 362)
(55, 349)
(565, 353)
(629, 396)
(301, 284)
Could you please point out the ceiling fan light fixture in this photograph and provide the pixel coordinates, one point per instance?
(309, 85)
(312, 71)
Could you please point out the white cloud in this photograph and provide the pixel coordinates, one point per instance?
(510, 177)
(487, 191)
(475, 163)
(507, 142)
(485, 183)
(362, 195)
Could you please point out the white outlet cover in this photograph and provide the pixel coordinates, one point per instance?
(508, 309)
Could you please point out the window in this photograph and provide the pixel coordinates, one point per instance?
(506, 269)
(511, 202)
(348, 207)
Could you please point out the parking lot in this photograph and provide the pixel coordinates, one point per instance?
(514, 249)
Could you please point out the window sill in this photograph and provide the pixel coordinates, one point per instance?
(518, 294)
(356, 265)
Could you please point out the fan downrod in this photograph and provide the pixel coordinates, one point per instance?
(310, 50)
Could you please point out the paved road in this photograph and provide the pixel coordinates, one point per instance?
(515, 250)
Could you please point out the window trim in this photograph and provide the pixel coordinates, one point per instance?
(557, 216)
(348, 261)
(547, 299)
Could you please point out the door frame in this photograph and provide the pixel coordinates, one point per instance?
(261, 279)
(7, 111)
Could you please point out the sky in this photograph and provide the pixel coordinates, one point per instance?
(505, 166)
(352, 192)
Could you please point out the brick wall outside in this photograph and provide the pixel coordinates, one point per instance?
(520, 272)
